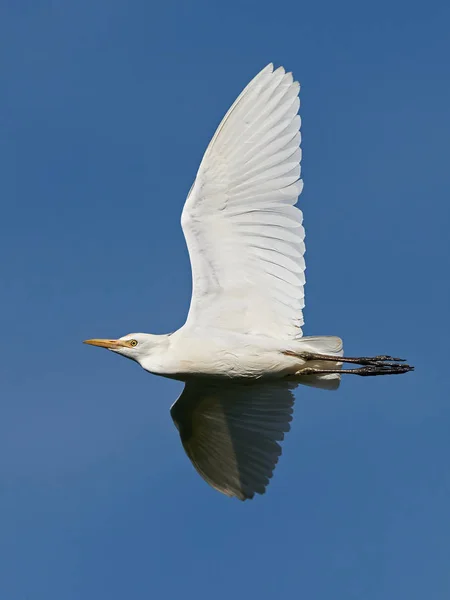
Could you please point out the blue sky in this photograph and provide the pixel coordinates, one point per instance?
(106, 109)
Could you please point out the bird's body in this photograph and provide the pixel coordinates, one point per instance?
(189, 353)
(241, 351)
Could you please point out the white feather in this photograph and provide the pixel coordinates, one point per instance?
(231, 432)
(244, 236)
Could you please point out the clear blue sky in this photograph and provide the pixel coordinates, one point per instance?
(106, 108)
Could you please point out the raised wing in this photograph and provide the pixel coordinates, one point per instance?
(231, 431)
(244, 235)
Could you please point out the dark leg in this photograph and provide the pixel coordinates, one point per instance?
(369, 370)
(376, 361)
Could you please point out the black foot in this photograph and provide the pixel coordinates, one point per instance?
(379, 360)
(382, 369)
(372, 365)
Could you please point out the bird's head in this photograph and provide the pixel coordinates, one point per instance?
(137, 346)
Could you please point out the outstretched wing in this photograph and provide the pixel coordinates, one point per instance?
(230, 431)
(243, 232)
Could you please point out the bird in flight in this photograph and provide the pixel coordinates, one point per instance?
(241, 352)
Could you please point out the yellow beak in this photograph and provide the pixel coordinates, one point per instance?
(110, 344)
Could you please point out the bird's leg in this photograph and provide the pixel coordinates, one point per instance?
(369, 370)
(376, 361)
(376, 365)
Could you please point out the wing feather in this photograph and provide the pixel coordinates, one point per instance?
(230, 432)
(244, 234)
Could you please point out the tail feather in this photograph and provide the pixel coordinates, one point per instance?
(322, 382)
(324, 344)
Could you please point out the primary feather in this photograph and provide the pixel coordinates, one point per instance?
(245, 238)
(231, 432)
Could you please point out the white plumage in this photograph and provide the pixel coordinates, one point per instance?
(245, 237)
(241, 350)
(232, 433)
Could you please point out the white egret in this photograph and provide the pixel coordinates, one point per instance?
(241, 351)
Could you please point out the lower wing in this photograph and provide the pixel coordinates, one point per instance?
(231, 432)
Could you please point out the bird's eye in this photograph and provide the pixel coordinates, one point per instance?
(133, 343)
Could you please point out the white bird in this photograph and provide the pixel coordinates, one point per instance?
(241, 351)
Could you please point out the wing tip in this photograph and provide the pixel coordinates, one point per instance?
(270, 68)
